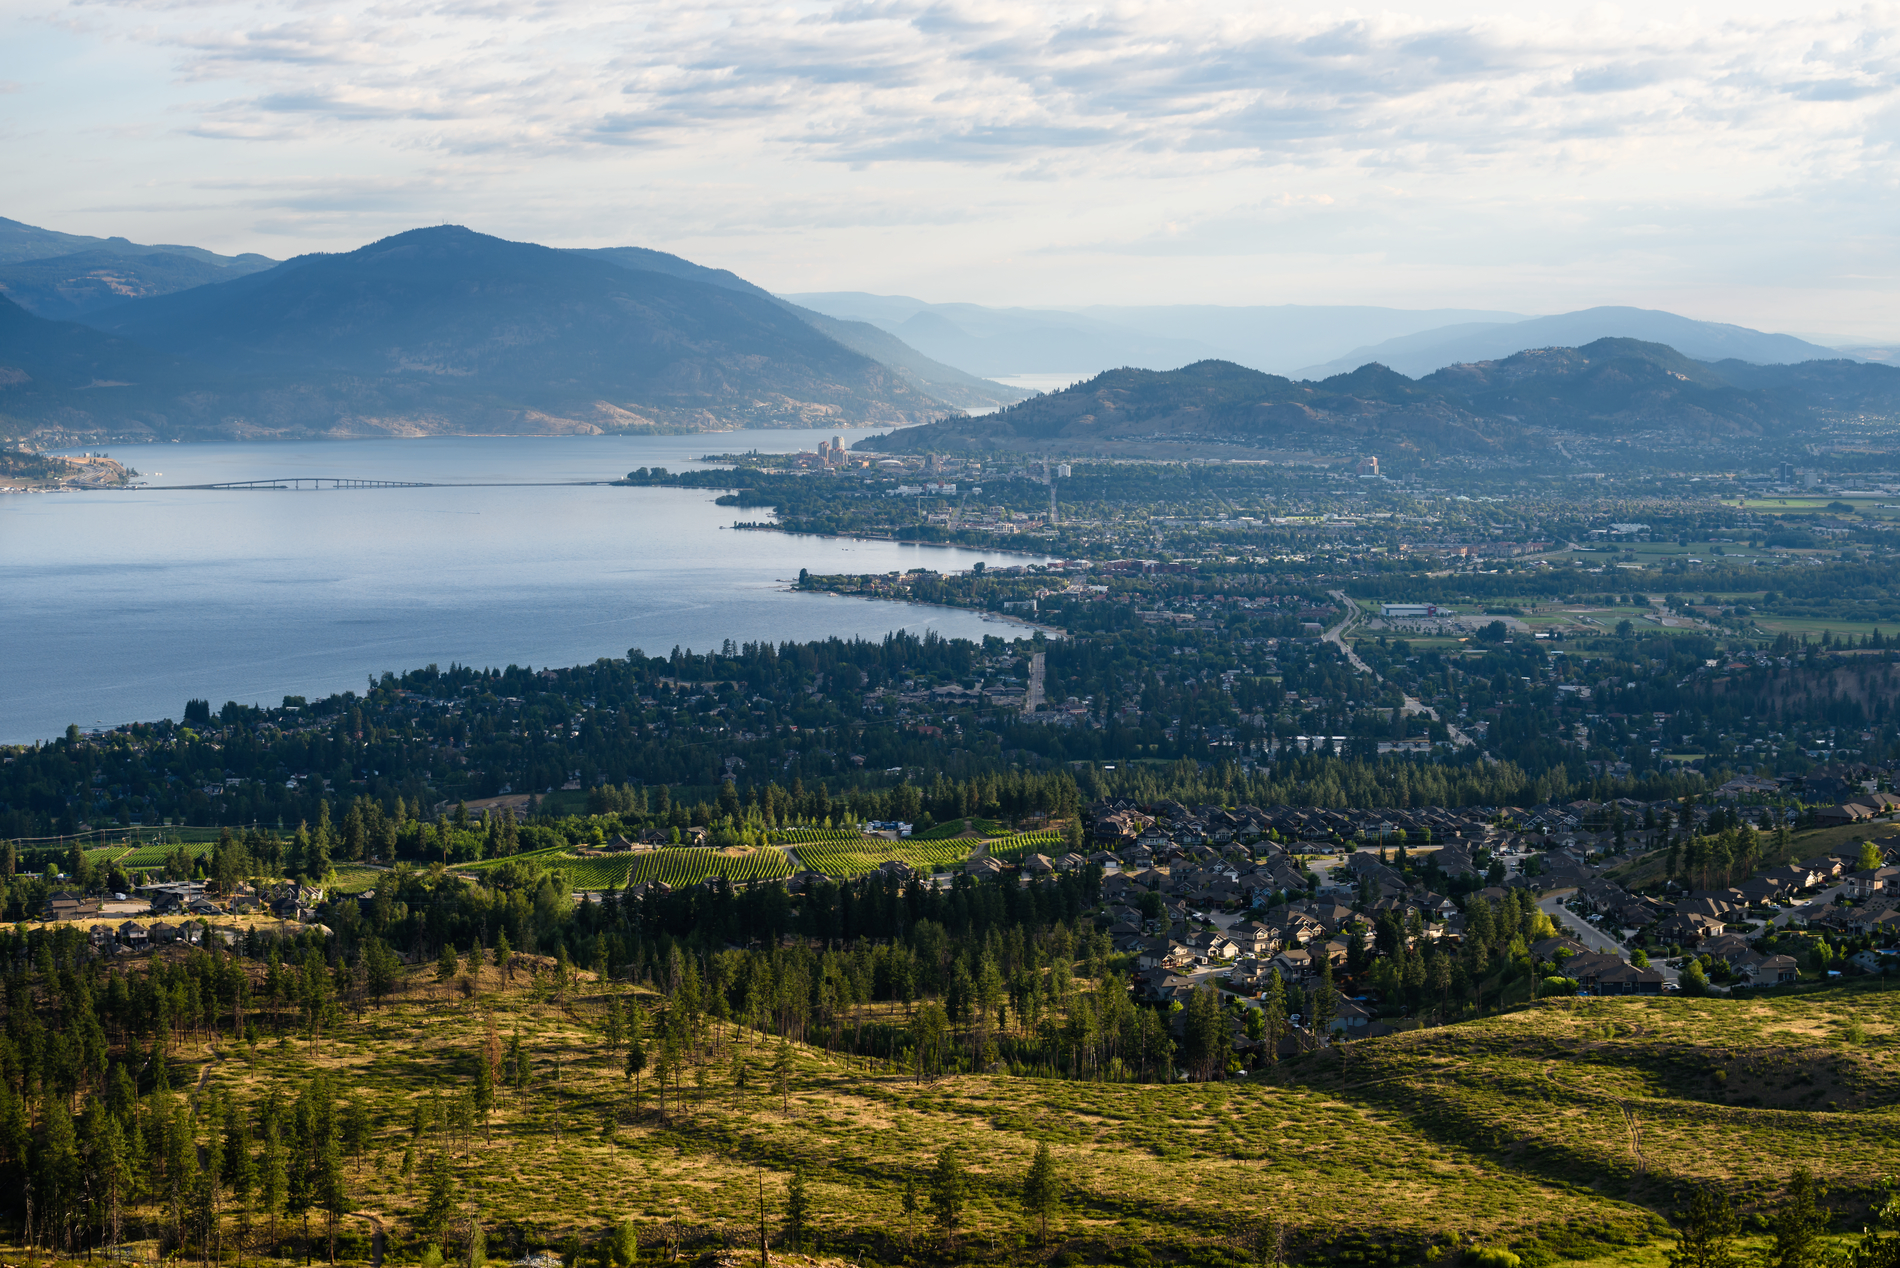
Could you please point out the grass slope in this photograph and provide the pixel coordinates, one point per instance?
(1559, 1130)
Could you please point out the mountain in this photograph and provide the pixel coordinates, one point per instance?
(447, 330)
(57, 378)
(28, 242)
(994, 342)
(66, 286)
(1424, 351)
(1609, 392)
(1026, 341)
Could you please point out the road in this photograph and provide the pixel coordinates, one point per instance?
(1409, 705)
(1575, 926)
(1337, 635)
(1826, 896)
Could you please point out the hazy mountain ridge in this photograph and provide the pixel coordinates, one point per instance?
(444, 329)
(29, 242)
(66, 287)
(1610, 389)
(1431, 350)
(1299, 341)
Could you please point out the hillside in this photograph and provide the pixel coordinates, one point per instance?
(1561, 1131)
(944, 382)
(447, 330)
(1612, 390)
(29, 242)
(64, 287)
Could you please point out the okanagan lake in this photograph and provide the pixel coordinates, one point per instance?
(119, 606)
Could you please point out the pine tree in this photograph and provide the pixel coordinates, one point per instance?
(949, 1186)
(1273, 1010)
(1795, 1228)
(782, 1075)
(1705, 1238)
(797, 1210)
(1042, 1191)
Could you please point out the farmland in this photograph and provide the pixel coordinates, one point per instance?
(853, 858)
(1012, 848)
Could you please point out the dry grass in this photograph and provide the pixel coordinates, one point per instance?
(1561, 1130)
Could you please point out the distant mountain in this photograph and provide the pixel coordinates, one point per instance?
(999, 342)
(947, 383)
(27, 242)
(1613, 390)
(446, 330)
(1026, 341)
(1424, 351)
(65, 286)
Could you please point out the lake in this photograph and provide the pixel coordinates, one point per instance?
(120, 606)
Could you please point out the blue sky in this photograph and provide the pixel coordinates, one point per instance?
(1734, 163)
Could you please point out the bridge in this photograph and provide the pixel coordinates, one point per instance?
(306, 483)
(309, 482)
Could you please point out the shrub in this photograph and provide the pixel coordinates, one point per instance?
(1493, 1257)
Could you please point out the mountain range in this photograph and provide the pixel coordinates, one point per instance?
(1608, 392)
(447, 330)
(1299, 341)
(1423, 352)
(1009, 342)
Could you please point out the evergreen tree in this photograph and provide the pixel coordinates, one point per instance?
(797, 1210)
(1042, 1190)
(1273, 1015)
(1796, 1226)
(1705, 1234)
(949, 1191)
(438, 1201)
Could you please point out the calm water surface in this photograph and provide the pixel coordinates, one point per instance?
(121, 606)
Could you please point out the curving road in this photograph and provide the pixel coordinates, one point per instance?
(1575, 926)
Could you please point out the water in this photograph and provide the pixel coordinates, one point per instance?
(117, 607)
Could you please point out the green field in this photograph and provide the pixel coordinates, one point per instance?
(803, 836)
(955, 827)
(689, 866)
(153, 855)
(854, 858)
(676, 866)
(1012, 848)
(354, 878)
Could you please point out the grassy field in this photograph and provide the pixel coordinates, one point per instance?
(854, 858)
(1012, 848)
(154, 855)
(1560, 1131)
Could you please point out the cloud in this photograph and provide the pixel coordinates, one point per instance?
(965, 82)
(947, 135)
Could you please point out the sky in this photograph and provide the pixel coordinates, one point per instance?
(1732, 163)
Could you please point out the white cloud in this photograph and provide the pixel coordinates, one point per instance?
(921, 142)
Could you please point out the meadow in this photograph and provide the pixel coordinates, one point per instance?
(1563, 1131)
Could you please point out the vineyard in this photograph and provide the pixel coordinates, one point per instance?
(690, 866)
(1012, 848)
(153, 854)
(809, 836)
(862, 854)
(956, 827)
(678, 866)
